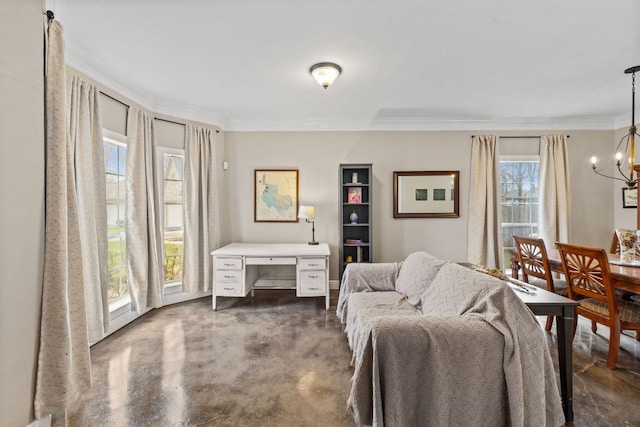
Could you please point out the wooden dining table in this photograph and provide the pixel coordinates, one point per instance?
(624, 277)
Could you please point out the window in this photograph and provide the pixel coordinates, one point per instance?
(173, 225)
(115, 167)
(518, 199)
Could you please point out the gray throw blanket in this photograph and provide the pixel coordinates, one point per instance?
(365, 278)
(477, 357)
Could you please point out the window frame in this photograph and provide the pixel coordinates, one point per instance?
(176, 286)
(531, 158)
(123, 302)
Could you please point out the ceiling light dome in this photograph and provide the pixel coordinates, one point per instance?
(325, 73)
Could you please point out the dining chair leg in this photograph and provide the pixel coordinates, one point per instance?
(575, 324)
(637, 335)
(614, 345)
(547, 326)
(594, 326)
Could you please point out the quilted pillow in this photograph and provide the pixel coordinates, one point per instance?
(416, 274)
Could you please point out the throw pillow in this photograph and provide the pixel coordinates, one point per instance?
(416, 274)
(455, 290)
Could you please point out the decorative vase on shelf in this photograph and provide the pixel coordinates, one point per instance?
(353, 217)
(627, 240)
(354, 178)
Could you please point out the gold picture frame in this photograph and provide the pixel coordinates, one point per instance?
(275, 195)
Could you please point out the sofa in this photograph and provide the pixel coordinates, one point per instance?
(436, 343)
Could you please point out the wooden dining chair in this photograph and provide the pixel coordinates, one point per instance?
(615, 244)
(532, 255)
(587, 274)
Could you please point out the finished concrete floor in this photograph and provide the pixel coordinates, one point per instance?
(278, 360)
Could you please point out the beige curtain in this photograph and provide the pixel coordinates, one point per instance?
(64, 365)
(86, 139)
(484, 230)
(555, 204)
(201, 221)
(142, 218)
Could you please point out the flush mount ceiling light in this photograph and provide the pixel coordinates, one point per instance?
(325, 73)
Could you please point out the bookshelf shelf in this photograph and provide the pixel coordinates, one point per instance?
(355, 197)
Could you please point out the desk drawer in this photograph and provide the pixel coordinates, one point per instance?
(229, 289)
(271, 261)
(313, 282)
(229, 276)
(312, 264)
(228, 264)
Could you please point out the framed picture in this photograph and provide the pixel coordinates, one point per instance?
(354, 195)
(629, 197)
(275, 195)
(426, 194)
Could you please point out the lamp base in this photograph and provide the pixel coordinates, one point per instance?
(313, 243)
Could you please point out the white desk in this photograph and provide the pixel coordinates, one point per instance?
(240, 268)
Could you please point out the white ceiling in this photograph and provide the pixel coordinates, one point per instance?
(407, 65)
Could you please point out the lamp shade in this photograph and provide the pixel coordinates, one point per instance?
(325, 73)
(307, 212)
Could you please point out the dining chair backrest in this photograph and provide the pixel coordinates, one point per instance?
(532, 255)
(615, 244)
(586, 271)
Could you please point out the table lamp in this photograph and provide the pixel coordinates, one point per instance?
(308, 213)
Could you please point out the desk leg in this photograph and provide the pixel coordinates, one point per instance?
(564, 328)
(213, 302)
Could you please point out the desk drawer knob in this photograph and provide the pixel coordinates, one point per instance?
(313, 276)
(314, 289)
(226, 276)
(228, 289)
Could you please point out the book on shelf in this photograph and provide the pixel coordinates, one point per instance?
(354, 195)
(353, 241)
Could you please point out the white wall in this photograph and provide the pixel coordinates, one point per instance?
(318, 154)
(22, 204)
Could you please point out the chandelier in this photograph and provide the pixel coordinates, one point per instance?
(628, 140)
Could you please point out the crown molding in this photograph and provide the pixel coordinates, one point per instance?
(422, 124)
(103, 74)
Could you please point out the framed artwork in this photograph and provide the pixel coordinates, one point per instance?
(426, 194)
(354, 195)
(629, 197)
(275, 195)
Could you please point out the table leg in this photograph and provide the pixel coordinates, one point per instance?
(213, 302)
(564, 328)
(328, 299)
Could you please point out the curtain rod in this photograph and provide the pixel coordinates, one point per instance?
(169, 121)
(117, 100)
(155, 118)
(514, 137)
(177, 123)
